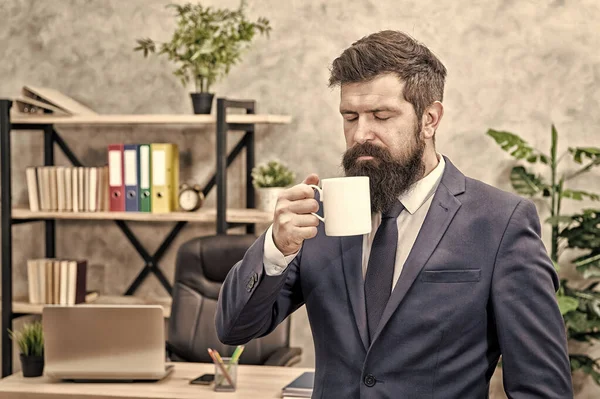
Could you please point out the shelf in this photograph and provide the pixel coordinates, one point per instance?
(148, 119)
(223, 220)
(25, 307)
(209, 215)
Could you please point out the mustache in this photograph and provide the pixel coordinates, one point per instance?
(367, 149)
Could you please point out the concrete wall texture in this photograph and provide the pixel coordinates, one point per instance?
(512, 65)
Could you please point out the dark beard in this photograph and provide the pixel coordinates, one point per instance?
(388, 177)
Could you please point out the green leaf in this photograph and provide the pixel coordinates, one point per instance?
(145, 45)
(579, 153)
(567, 304)
(526, 183)
(584, 322)
(576, 321)
(30, 339)
(554, 141)
(516, 146)
(580, 195)
(557, 220)
(586, 364)
(592, 285)
(588, 265)
(585, 232)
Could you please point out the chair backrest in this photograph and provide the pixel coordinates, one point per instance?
(201, 267)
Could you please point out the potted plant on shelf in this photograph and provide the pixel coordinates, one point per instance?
(270, 180)
(31, 347)
(205, 44)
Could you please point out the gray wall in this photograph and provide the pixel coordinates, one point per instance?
(514, 65)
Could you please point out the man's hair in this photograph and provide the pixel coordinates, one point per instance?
(393, 52)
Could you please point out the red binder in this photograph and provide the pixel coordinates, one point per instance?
(116, 184)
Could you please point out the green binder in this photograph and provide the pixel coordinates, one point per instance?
(145, 177)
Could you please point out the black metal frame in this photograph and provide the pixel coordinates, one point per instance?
(151, 265)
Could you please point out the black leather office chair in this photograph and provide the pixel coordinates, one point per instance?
(201, 267)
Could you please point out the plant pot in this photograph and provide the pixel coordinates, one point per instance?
(266, 198)
(202, 102)
(32, 366)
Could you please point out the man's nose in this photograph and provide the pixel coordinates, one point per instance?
(364, 132)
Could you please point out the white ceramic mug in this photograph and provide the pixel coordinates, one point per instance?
(346, 203)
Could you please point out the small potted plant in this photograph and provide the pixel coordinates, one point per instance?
(205, 44)
(31, 347)
(270, 180)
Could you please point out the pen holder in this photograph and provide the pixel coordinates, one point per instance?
(222, 382)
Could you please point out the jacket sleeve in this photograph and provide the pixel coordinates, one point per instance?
(252, 303)
(530, 328)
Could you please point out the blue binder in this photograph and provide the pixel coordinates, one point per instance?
(131, 175)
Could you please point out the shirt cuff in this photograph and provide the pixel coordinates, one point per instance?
(274, 261)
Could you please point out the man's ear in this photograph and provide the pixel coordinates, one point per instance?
(431, 119)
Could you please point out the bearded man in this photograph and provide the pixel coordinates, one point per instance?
(452, 275)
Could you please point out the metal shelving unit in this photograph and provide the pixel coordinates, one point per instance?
(224, 218)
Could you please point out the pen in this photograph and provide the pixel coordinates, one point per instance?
(219, 363)
(236, 354)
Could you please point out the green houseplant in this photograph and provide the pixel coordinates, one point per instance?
(270, 179)
(580, 306)
(30, 341)
(205, 45)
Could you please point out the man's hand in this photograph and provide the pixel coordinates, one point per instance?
(293, 220)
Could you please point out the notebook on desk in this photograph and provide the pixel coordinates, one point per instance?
(301, 387)
(104, 342)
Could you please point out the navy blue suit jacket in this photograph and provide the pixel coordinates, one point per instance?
(477, 284)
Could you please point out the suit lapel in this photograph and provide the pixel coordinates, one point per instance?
(443, 208)
(352, 267)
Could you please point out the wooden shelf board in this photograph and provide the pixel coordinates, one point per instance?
(22, 306)
(148, 119)
(208, 215)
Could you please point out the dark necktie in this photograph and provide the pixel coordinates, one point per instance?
(380, 270)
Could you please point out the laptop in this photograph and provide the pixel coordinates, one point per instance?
(105, 343)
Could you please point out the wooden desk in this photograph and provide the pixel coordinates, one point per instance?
(253, 382)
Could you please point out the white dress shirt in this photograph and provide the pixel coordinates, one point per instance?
(416, 203)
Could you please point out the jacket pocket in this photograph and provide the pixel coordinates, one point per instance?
(451, 276)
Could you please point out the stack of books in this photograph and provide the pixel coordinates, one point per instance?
(67, 189)
(57, 281)
(301, 387)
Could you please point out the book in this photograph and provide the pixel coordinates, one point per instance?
(47, 101)
(57, 281)
(57, 99)
(27, 105)
(67, 188)
(301, 387)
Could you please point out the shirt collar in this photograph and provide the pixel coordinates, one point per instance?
(415, 197)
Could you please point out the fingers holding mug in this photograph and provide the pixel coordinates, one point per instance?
(313, 178)
(304, 206)
(307, 232)
(293, 222)
(307, 220)
(297, 193)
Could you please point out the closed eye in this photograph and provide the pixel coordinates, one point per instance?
(379, 118)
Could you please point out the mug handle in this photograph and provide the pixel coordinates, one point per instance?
(322, 219)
